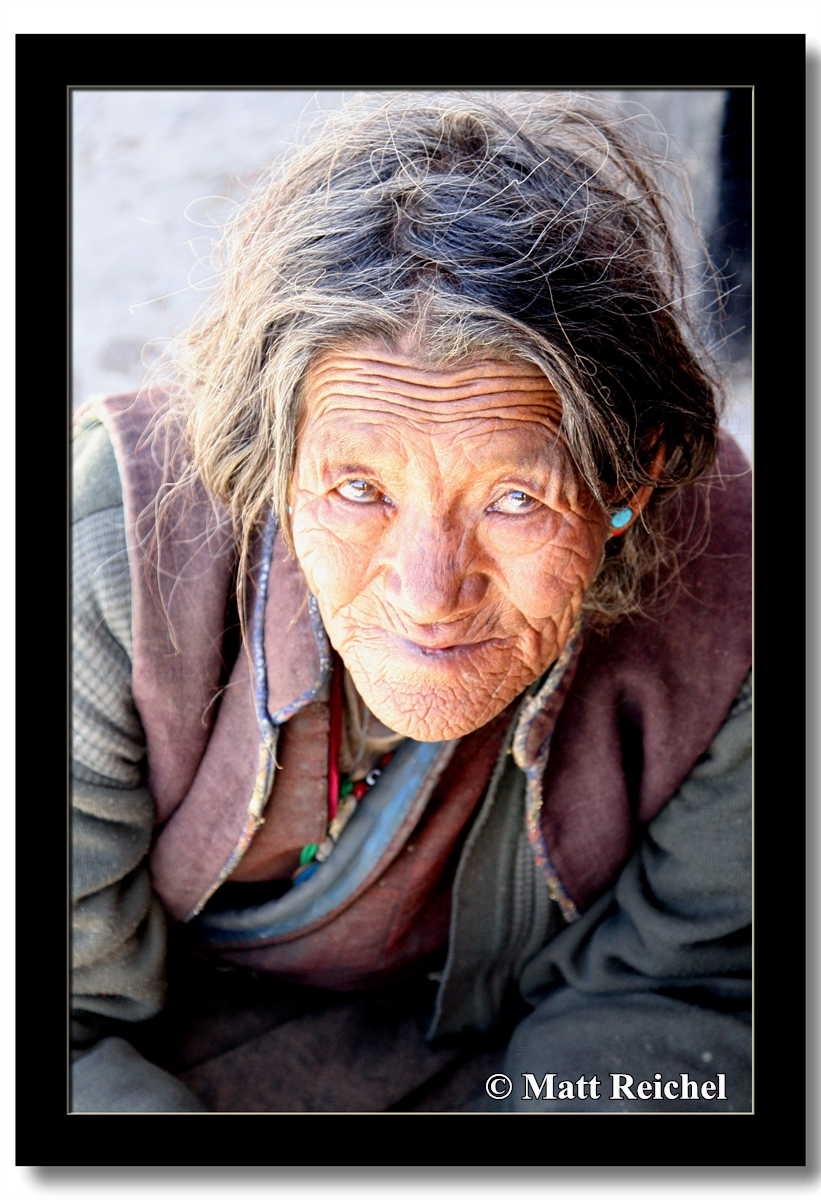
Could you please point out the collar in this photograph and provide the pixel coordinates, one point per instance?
(531, 750)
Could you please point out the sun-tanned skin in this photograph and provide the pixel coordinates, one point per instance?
(443, 528)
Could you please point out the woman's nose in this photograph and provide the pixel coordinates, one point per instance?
(430, 577)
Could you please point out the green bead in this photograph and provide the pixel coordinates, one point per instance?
(307, 854)
(345, 788)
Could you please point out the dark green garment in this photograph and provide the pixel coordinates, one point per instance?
(654, 978)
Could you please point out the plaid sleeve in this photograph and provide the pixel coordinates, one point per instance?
(118, 938)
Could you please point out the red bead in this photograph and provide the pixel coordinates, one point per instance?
(359, 789)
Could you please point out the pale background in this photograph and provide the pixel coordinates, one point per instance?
(155, 172)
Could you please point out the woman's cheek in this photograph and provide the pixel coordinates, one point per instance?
(538, 590)
(509, 537)
(351, 523)
(546, 579)
(334, 555)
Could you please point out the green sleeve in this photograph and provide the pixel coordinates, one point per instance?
(118, 937)
(655, 978)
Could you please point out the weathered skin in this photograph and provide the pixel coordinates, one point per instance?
(444, 530)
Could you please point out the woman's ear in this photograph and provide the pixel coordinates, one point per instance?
(621, 521)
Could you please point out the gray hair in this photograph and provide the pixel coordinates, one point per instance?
(528, 229)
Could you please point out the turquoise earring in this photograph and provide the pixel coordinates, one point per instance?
(623, 517)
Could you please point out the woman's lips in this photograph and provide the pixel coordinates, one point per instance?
(454, 650)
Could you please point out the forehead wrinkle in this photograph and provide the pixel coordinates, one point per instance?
(490, 446)
(340, 434)
(410, 371)
(503, 384)
(535, 467)
(440, 411)
(543, 439)
(468, 394)
(334, 444)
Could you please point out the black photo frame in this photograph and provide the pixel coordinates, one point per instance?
(771, 70)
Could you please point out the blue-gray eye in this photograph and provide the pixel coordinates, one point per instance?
(358, 489)
(514, 502)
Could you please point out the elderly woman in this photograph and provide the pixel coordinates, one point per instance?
(431, 655)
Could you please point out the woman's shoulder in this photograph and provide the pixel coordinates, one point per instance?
(100, 566)
(96, 483)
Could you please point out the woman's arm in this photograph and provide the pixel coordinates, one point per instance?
(655, 977)
(118, 938)
(119, 929)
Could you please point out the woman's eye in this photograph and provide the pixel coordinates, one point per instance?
(514, 502)
(358, 489)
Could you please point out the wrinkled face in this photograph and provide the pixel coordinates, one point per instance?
(444, 531)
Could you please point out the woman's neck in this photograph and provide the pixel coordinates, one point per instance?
(365, 740)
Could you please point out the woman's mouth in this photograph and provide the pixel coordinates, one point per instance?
(443, 652)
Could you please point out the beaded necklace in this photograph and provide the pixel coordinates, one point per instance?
(344, 793)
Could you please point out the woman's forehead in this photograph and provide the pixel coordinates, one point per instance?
(400, 385)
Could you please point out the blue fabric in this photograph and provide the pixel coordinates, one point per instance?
(379, 816)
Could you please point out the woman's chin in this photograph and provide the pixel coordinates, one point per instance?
(429, 717)
(435, 695)
(430, 728)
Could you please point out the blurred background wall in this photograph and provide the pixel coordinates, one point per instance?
(154, 173)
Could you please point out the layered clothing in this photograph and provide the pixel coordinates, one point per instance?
(504, 850)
